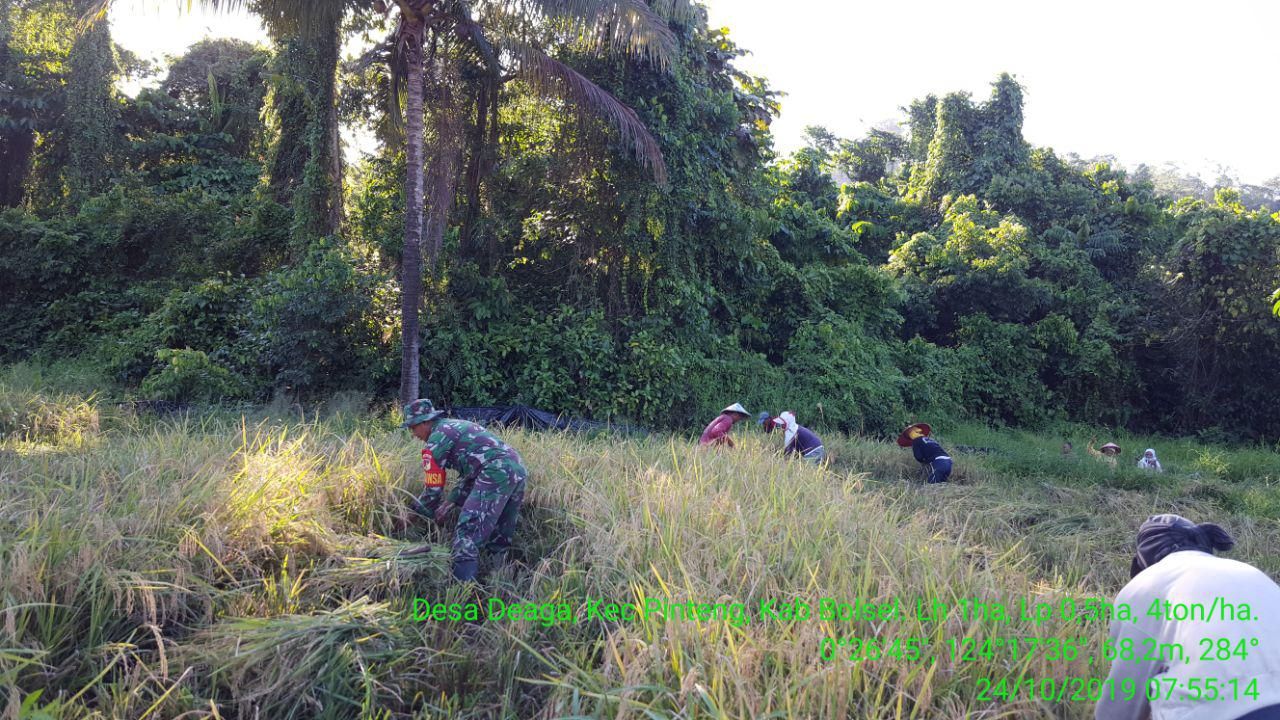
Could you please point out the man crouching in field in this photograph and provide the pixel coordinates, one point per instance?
(490, 487)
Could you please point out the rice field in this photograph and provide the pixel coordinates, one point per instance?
(225, 565)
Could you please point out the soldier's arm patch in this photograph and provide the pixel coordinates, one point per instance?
(433, 474)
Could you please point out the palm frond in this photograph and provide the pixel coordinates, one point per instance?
(478, 41)
(681, 11)
(550, 77)
(384, 60)
(397, 93)
(300, 17)
(95, 12)
(630, 25)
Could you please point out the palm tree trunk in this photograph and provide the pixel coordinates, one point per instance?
(411, 259)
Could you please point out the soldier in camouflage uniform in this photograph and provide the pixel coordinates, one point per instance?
(490, 487)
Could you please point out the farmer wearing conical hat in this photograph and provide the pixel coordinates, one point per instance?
(928, 452)
(1107, 453)
(490, 486)
(717, 432)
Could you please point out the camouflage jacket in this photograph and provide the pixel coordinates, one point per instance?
(466, 448)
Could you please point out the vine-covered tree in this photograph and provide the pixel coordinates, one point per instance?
(630, 27)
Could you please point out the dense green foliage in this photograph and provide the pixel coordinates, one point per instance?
(202, 251)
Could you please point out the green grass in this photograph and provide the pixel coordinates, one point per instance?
(222, 566)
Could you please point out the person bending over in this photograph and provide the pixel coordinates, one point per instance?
(928, 452)
(490, 486)
(717, 431)
(1175, 569)
(796, 438)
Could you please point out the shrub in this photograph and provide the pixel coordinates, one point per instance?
(936, 379)
(1001, 371)
(846, 378)
(313, 324)
(205, 317)
(38, 264)
(189, 375)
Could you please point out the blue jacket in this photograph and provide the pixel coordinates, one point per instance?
(926, 449)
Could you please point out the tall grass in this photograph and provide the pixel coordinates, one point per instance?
(218, 566)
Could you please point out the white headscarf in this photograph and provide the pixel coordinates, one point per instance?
(788, 422)
(1149, 462)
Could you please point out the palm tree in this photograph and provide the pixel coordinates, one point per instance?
(506, 42)
(409, 43)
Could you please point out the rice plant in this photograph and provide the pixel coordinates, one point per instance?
(219, 565)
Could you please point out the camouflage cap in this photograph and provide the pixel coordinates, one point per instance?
(420, 411)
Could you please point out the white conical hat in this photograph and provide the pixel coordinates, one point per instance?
(736, 408)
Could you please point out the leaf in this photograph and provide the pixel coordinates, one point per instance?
(630, 24)
(549, 76)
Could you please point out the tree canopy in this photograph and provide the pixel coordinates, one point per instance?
(615, 235)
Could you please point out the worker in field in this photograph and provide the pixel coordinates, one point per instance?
(1202, 640)
(928, 452)
(797, 440)
(1149, 461)
(717, 432)
(1107, 453)
(489, 489)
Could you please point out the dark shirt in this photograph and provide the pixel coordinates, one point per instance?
(926, 449)
(803, 442)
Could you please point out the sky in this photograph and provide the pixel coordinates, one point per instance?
(155, 28)
(1148, 81)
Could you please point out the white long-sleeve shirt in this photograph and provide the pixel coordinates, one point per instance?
(1185, 579)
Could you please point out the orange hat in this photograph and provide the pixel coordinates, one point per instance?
(904, 440)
